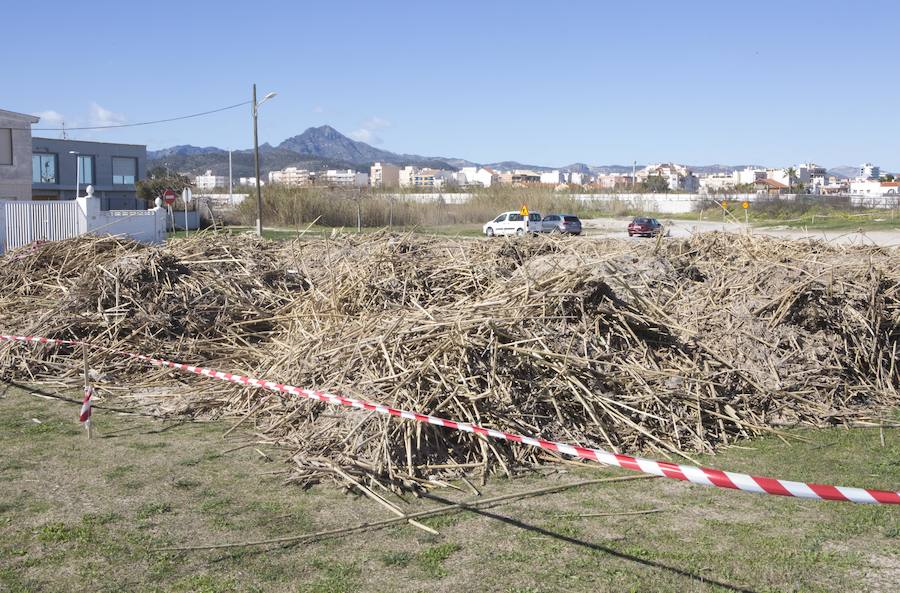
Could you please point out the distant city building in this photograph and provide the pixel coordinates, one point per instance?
(209, 181)
(874, 188)
(249, 181)
(384, 175)
(431, 178)
(553, 178)
(525, 177)
(483, 176)
(869, 171)
(769, 186)
(678, 177)
(577, 178)
(717, 182)
(290, 176)
(15, 155)
(614, 181)
(405, 175)
(344, 178)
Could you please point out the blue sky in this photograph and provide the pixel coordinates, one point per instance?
(546, 83)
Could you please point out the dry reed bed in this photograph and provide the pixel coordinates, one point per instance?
(665, 348)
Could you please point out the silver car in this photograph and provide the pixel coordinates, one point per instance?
(561, 223)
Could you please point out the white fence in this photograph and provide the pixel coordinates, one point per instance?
(23, 222)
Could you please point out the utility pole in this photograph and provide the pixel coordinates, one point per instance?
(256, 155)
(256, 105)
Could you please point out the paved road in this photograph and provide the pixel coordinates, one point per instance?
(615, 228)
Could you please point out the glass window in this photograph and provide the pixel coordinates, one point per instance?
(571, 219)
(534, 217)
(500, 218)
(124, 170)
(6, 151)
(86, 169)
(516, 217)
(43, 168)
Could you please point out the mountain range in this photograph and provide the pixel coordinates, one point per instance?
(324, 147)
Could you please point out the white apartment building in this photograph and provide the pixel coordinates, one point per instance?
(431, 178)
(249, 181)
(291, 176)
(748, 176)
(869, 171)
(717, 182)
(874, 188)
(404, 177)
(345, 178)
(209, 181)
(482, 176)
(577, 178)
(384, 175)
(553, 178)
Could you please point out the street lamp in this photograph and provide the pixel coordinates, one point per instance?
(256, 154)
(77, 173)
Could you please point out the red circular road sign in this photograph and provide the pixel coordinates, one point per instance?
(169, 197)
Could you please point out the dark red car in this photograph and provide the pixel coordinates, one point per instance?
(645, 227)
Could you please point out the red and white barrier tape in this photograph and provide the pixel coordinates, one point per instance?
(85, 415)
(697, 475)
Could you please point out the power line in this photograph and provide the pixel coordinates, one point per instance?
(143, 123)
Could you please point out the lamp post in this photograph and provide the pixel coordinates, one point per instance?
(256, 155)
(77, 173)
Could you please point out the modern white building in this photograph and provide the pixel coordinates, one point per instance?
(15, 155)
(290, 176)
(249, 181)
(432, 178)
(344, 178)
(577, 178)
(873, 187)
(405, 176)
(384, 175)
(483, 176)
(717, 182)
(869, 171)
(553, 178)
(209, 181)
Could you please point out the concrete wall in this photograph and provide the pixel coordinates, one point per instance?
(15, 179)
(61, 220)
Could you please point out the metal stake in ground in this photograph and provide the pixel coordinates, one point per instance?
(85, 415)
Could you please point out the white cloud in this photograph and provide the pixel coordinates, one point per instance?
(100, 116)
(366, 132)
(318, 109)
(51, 118)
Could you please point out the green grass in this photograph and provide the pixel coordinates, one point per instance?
(89, 521)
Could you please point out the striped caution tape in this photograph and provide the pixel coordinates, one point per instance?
(697, 475)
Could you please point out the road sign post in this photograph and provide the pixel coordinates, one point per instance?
(746, 206)
(186, 197)
(169, 199)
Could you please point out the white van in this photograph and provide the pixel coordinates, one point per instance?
(513, 223)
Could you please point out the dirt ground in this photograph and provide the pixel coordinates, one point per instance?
(616, 228)
(86, 515)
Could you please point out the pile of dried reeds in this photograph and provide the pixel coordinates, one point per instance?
(664, 348)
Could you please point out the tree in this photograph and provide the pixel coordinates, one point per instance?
(655, 184)
(792, 174)
(889, 177)
(159, 180)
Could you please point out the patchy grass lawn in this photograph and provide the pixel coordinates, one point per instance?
(79, 515)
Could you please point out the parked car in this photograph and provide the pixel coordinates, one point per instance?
(513, 223)
(561, 223)
(645, 227)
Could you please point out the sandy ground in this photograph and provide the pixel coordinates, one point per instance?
(615, 228)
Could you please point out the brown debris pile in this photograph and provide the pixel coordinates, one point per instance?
(665, 348)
